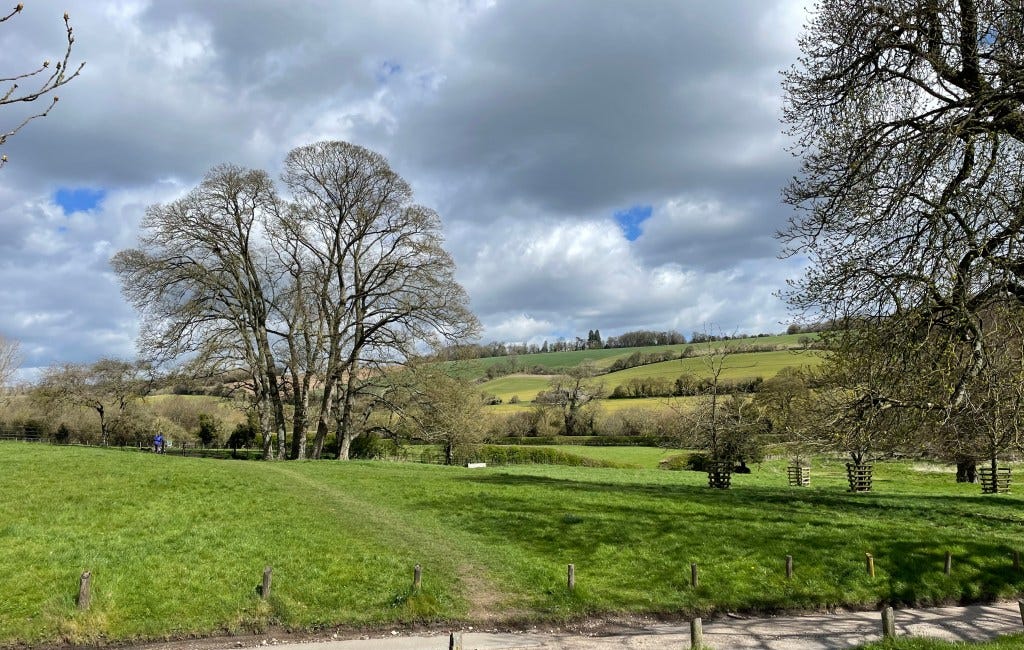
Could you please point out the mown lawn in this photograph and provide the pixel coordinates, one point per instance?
(177, 545)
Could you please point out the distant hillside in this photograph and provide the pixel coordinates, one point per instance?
(551, 362)
(739, 366)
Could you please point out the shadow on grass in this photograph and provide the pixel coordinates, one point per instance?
(659, 529)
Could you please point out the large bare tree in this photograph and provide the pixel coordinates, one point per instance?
(204, 282)
(324, 293)
(909, 119)
(382, 281)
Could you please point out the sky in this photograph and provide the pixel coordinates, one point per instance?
(596, 164)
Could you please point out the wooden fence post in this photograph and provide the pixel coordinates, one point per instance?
(789, 567)
(948, 568)
(265, 587)
(572, 577)
(694, 580)
(696, 634)
(870, 564)
(84, 593)
(1016, 560)
(417, 577)
(455, 642)
(888, 623)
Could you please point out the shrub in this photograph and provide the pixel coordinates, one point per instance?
(698, 462)
(675, 463)
(372, 446)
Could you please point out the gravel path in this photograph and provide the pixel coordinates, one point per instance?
(810, 632)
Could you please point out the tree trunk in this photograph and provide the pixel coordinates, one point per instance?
(344, 445)
(966, 471)
(345, 419)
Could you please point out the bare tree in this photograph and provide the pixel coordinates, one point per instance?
(42, 82)
(572, 392)
(382, 280)
(909, 120)
(10, 359)
(108, 387)
(204, 283)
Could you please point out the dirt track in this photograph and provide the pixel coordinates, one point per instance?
(809, 632)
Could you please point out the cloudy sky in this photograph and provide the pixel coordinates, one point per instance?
(597, 164)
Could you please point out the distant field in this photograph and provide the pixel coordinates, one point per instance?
(176, 546)
(602, 358)
(606, 405)
(736, 366)
(644, 457)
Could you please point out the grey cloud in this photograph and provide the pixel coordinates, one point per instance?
(526, 124)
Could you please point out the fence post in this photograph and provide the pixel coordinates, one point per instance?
(888, 623)
(572, 577)
(870, 564)
(1016, 560)
(84, 595)
(417, 576)
(948, 568)
(694, 581)
(789, 567)
(696, 634)
(265, 587)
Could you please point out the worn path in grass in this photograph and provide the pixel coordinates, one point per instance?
(811, 632)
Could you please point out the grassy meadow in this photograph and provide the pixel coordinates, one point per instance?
(176, 546)
(604, 358)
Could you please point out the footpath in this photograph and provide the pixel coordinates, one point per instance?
(809, 632)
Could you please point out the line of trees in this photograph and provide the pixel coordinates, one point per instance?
(313, 298)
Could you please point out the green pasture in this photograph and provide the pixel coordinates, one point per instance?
(734, 367)
(603, 358)
(606, 405)
(176, 546)
(646, 457)
(525, 386)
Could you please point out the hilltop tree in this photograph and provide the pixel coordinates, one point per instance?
(43, 81)
(909, 120)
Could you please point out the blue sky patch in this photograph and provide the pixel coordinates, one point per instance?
(387, 70)
(78, 199)
(630, 220)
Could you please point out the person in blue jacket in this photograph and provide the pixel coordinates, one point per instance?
(158, 443)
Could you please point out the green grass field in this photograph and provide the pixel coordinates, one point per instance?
(737, 366)
(603, 358)
(176, 546)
